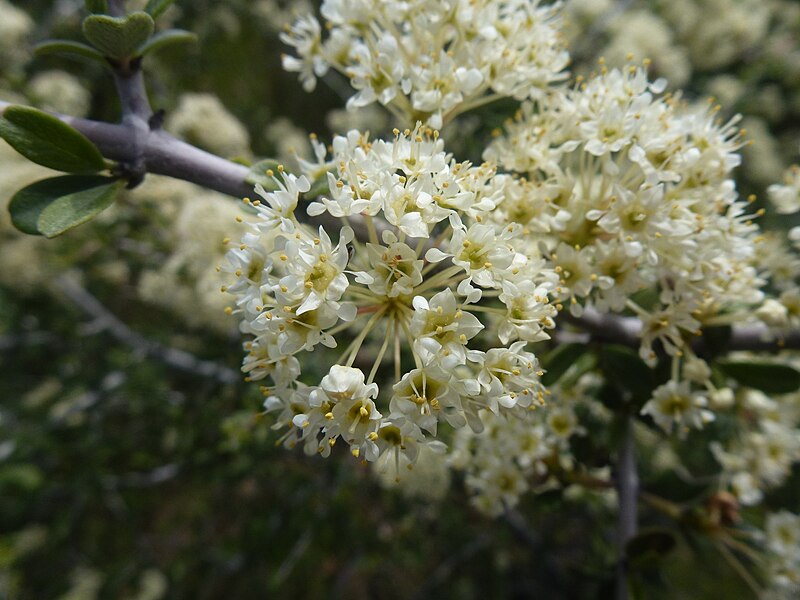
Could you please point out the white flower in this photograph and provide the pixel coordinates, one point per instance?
(394, 268)
(353, 415)
(773, 313)
(282, 203)
(528, 312)
(425, 396)
(441, 330)
(674, 404)
(432, 60)
(510, 377)
(315, 273)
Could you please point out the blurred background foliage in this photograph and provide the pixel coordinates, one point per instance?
(124, 477)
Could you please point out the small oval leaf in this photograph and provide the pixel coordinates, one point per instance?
(165, 38)
(258, 174)
(47, 141)
(97, 6)
(623, 367)
(559, 360)
(650, 545)
(52, 206)
(156, 7)
(69, 47)
(118, 37)
(773, 378)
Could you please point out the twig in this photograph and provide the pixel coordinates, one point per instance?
(740, 569)
(627, 491)
(447, 566)
(32, 338)
(150, 478)
(297, 551)
(521, 529)
(627, 331)
(116, 8)
(163, 154)
(178, 359)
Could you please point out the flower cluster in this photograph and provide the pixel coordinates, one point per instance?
(508, 457)
(761, 456)
(627, 190)
(429, 61)
(431, 272)
(783, 546)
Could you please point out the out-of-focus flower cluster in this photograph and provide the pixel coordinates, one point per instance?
(15, 26)
(742, 52)
(782, 540)
(429, 61)
(760, 456)
(512, 456)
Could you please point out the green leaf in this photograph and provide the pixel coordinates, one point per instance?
(97, 6)
(768, 377)
(45, 140)
(69, 47)
(580, 367)
(52, 206)
(258, 174)
(25, 477)
(165, 38)
(624, 368)
(118, 37)
(650, 546)
(156, 7)
(559, 360)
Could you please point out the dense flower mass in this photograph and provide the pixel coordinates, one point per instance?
(628, 190)
(605, 196)
(433, 277)
(613, 189)
(431, 60)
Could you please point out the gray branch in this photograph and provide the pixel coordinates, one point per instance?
(163, 154)
(116, 8)
(627, 331)
(160, 153)
(106, 321)
(627, 493)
